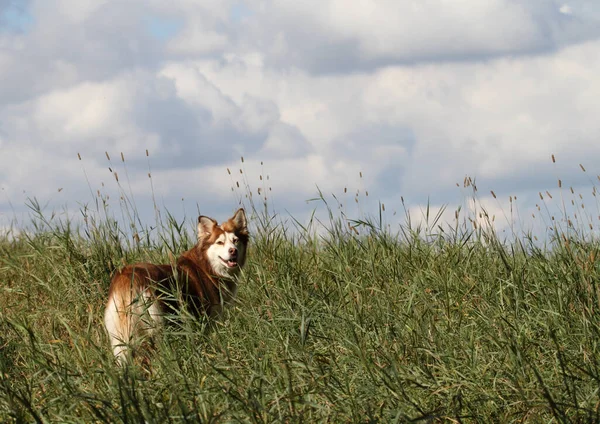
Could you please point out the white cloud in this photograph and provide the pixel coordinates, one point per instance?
(196, 40)
(494, 119)
(566, 9)
(409, 28)
(415, 95)
(329, 36)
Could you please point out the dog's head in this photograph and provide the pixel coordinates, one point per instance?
(224, 245)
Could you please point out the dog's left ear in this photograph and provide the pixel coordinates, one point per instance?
(239, 220)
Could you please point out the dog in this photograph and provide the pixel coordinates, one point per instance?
(206, 276)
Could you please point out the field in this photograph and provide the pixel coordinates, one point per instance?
(354, 323)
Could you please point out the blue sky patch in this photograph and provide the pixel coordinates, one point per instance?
(239, 12)
(162, 29)
(15, 16)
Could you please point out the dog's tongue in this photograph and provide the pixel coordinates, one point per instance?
(231, 264)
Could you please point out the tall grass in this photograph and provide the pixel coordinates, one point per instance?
(351, 323)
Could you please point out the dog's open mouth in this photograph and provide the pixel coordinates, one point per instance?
(231, 263)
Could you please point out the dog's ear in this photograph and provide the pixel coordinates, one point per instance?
(239, 221)
(205, 226)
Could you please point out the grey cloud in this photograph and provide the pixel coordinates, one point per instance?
(189, 136)
(182, 134)
(56, 52)
(381, 152)
(285, 140)
(359, 143)
(114, 37)
(292, 39)
(188, 129)
(434, 173)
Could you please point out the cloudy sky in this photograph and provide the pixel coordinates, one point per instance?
(413, 94)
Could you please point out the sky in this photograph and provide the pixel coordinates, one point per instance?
(402, 99)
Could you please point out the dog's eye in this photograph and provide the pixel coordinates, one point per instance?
(235, 241)
(220, 243)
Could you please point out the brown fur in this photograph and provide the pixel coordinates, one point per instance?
(135, 294)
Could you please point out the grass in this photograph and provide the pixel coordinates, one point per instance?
(354, 324)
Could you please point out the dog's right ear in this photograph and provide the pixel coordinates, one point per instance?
(205, 226)
(239, 219)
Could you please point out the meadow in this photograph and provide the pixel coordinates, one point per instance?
(356, 322)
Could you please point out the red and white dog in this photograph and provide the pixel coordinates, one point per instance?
(206, 275)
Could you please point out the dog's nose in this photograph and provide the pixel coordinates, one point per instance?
(232, 251)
